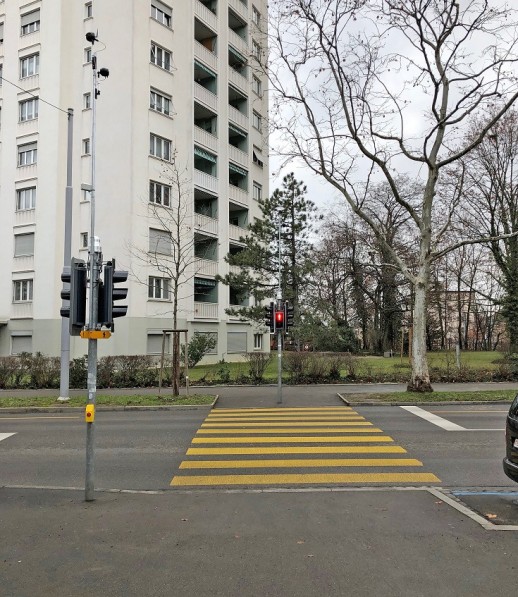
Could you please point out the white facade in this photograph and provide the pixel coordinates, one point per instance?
(184, 81)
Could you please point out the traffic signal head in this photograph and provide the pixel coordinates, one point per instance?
(288, 315)
(268, 317)
(108, 294)
(75, 293)
(279, 320)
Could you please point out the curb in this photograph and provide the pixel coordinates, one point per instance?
(427, 403)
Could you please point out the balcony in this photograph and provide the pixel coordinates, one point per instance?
(238, 42)
(206, 181)
(238, 156)
(238, 195)
(206, 97)
(238, 117)
(234, 269)
(205, 56)
(205, 138)
(205, 310)
(205, 15)
(205, 224)
(206, 267)
(236, 232)
(238, 80)
(240, 8)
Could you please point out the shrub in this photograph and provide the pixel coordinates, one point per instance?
(198, 347)
(44, 371)
(295, 364)
(8, 368)
(223, 372)
(135, 371)
(106, 372)
(78, 372)
(257, 364)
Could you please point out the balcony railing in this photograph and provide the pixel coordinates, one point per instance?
(205, 15)
(237, 117)
(205, 55)
(205, 181)
(236, 232)
(240, 8)
(21, 311)
(205, 310)
(206, 224)
(238, 42)
(205, 96)
(206, 267)
(238, 195)
(238, 156)
(238, 80)
(205, 138)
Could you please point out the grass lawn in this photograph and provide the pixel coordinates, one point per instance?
(418, 397)
(143, 400)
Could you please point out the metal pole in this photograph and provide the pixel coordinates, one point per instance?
(279, 332)
(64, 376)
(186, 365)
(161, 363)
(94, 256)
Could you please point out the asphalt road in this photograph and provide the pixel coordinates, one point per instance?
(350, 538)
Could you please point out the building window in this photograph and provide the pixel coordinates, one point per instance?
(22, 291)
(27, 154)
(86, 146)
(88, 10)
(29, 66)
(158, 288)
(258, 341)
(160, 242)
(256, 16)
(87, 101)
(161, 13)
(154, 343)
(26, 199)
(21, 342)
(159, 102)
(236, 342)
(1, 73)
(24, 245)
(257, 86)
(160, 57)
(1, 33)
(258, 157)
(84, 240)
(159, 193)
(159, 147)
(256, 50)
(30, 22)
(88, 55)
(257, 120)
(257, 191)
(29, 109)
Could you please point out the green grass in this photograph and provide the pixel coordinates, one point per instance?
(418, 397)
(144, 400)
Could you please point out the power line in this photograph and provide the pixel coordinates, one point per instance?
(2, 78)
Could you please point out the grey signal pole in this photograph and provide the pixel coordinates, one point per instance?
(279, 332)
(64, 379)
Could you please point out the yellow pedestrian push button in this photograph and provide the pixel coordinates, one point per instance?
(90, 413)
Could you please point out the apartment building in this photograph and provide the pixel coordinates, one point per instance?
(181, 118)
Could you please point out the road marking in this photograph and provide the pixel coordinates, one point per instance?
(246, 424)
(434, 419)
(291, 419)
(291, 440)
(5, 436)
(297, 450)
(304, 479)
(292, 430)
(246, 411)
(300, 463)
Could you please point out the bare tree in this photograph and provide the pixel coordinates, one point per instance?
(170, 254)
(366, 89)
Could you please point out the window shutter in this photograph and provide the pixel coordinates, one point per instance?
(236, 342)
(154, 344)
(24, 244)
(30, 17)
(159, 242)
(21, 344)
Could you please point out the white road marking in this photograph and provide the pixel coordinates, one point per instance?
(5, 435)
(434, 419)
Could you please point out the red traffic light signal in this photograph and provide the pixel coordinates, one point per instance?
(279, 320)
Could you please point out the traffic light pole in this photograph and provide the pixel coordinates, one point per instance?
(279, 331)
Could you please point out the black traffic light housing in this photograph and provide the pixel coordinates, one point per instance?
(108, 294)
(288, 315)
(279, 320)
(268, 317)
(75, 311)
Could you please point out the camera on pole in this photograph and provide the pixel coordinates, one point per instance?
(108, 295)
(75, 276)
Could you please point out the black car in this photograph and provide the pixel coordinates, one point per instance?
(511, 442)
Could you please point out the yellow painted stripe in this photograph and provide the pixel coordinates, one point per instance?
(299, 463)
(294, 430)
(292, 440)
(297, 450)
(298, 424)
(325, 409)
(288, 419)
(359, 478)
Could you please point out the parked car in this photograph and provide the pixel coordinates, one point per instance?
(511, 442)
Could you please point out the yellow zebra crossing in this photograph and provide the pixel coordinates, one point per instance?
(265, 446)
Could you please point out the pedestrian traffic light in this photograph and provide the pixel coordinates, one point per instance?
(288, 315)
(279, 320)
(108, 294)
(268, 317)
(75, 276)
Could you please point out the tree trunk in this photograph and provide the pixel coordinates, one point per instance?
(420, 381)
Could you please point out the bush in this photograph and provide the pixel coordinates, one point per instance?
(106, 372)
(295, 363)
(257, 364)
(78, 372)
(135, 371)
(44, 371)
(8, 368)
(223, 372)
(198, 347)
